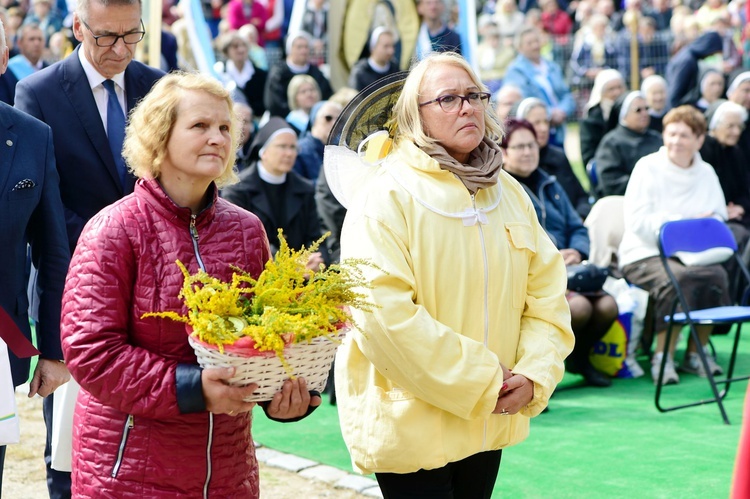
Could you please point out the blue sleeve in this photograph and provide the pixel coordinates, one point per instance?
(577, 234)
(566, 102)
(189, 388)
(51, 256)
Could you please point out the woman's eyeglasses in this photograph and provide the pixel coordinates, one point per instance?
(452, 103)
(522, 147)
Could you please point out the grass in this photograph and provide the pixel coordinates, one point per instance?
(593, 442)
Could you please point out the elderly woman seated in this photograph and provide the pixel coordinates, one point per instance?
(654, 90)
(623, 146)
(608, 86)
(671, 184)
(726, 121)
(552, 159)
(592, 314)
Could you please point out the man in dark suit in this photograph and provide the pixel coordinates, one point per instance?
(70, 97)
(33, 214)
(75, 98)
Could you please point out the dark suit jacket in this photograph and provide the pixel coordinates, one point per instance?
(61, 97)
(8, 83)
(8, 87)
(301, 226)
(32, 215)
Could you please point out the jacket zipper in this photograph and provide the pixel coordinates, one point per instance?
(486, 298)
(194, 238)
(208, 454)
(129, 423)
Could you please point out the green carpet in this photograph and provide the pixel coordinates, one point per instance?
(593, 443)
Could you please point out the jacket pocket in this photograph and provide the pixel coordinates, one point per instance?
(404, 433)
(129, 423)
(522, 248)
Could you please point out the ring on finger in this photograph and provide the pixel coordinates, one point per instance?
(504, 412)
(231, 412)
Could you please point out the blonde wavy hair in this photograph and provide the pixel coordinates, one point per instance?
(406, 110)
(151, 122)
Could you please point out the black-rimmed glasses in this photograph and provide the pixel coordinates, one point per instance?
(108, 40)
(451, 103)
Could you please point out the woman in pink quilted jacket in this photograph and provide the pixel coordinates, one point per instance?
(149, 422)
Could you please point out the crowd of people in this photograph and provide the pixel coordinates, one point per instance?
(137, 157)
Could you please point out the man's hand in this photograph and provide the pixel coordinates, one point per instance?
(48, 375)
(292, 401)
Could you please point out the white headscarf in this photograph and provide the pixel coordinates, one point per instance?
(738, 80)
(626, 106)
(602, 79)
(646, 84)
(725, 108)
(650, 81)
(527, 105)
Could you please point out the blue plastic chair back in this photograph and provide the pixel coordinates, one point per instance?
(591, 170)
(695, 235)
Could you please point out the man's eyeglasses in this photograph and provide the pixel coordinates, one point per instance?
(452, 103)
(108, 40)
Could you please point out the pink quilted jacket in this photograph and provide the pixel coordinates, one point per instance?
(140, 426)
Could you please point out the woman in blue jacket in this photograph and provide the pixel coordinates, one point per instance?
(592, 314)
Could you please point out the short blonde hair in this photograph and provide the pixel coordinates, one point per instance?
(408, 119)
(151, 122)
(294, 85)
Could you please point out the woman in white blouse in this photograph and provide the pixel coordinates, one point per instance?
(671, 184)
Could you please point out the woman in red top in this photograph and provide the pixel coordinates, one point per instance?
(242, 12)
(149, 422)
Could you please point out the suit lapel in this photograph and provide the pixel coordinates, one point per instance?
(8, 146)
(76, 86)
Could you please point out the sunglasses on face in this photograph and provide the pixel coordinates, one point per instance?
(328, 118)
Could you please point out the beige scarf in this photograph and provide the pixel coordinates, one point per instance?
(483, 169)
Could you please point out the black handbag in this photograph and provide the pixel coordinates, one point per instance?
(586, 277)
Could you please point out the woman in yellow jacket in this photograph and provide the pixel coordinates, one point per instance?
(472, 327)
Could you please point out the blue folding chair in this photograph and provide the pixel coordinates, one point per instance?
(697, 236)
(593, 180)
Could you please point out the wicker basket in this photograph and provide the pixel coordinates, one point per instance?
(310, 360)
